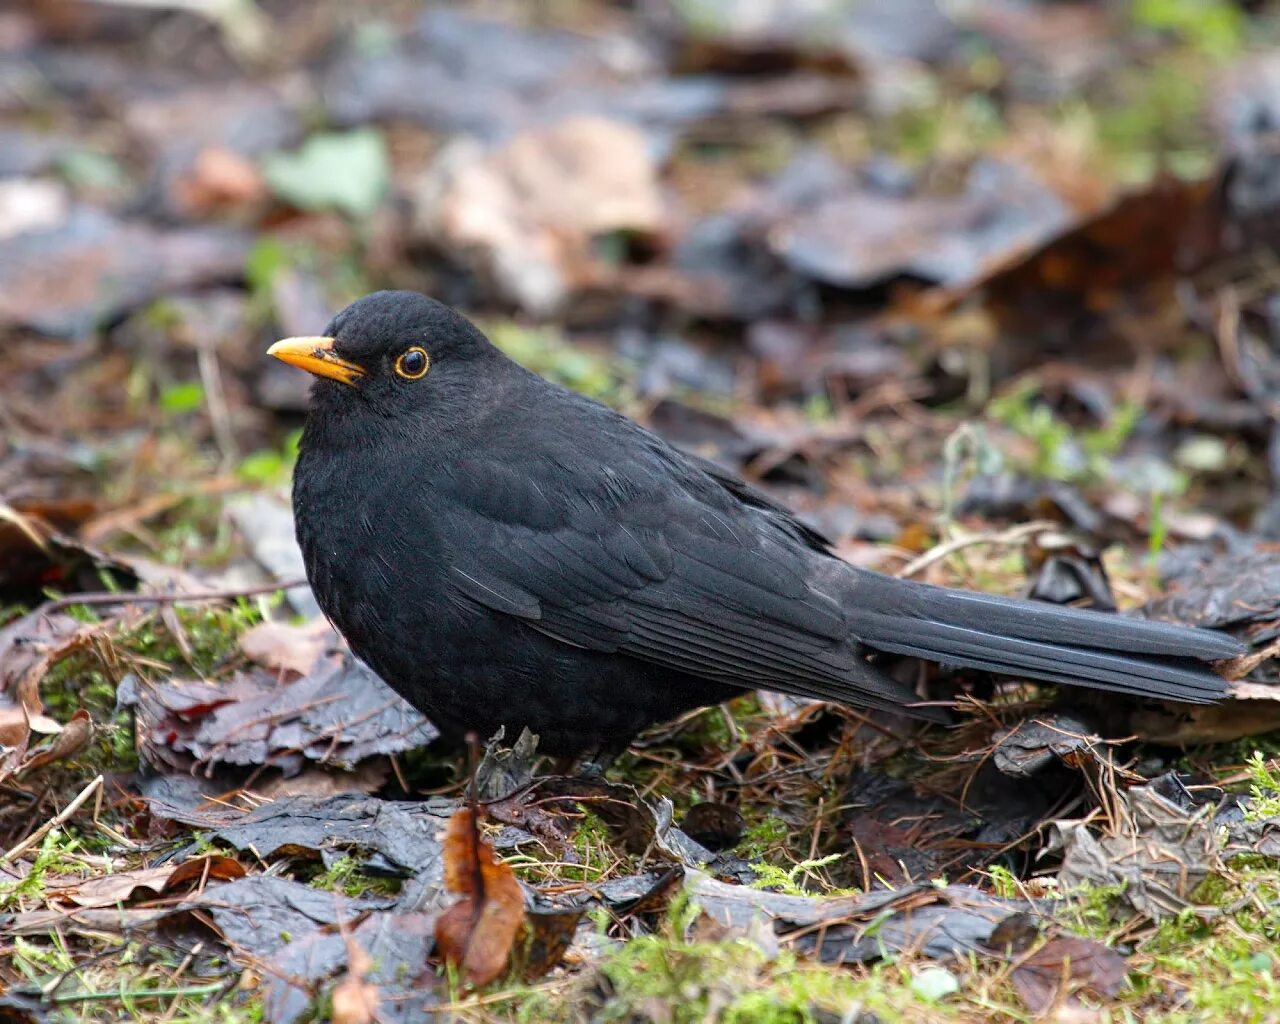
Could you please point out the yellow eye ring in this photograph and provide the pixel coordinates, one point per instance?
(413, 363)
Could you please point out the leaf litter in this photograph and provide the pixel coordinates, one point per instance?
(854, 252)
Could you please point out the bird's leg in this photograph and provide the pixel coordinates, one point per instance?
(593, 765)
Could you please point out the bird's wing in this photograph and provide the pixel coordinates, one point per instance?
(653, 558)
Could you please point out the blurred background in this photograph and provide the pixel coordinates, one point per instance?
(810, 239)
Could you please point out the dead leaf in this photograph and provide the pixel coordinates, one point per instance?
(35, 555)
(936, 922)
(74, 737)
(1223, 591)
(546, 934)
(282, 647)
(199, 870)
(525, 214)
(1064, 966)
(856, 237)
(397, 946)
(477, 934)
(389, 837)
(219, 178)
(141, 883)
(258, 915)
(29, 648)
(1158, 852)
(716, 826)
(340, 712)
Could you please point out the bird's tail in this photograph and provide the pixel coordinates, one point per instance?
(1041, 641)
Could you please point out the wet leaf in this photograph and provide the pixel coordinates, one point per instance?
(856, 237)
(261, 914)
(935, 922)
(397, 946)
(716, 826)
(339, 713)
(283, 647)
(386, 837)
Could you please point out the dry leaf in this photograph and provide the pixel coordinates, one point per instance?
(74, 737)
(525, 213)
(281, 647)
(477, 933)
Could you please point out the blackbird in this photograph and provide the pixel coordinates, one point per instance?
(505, 552)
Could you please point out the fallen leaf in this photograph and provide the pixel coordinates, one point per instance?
(856, 236)
(477, 933)
(259, 915)
(388, 837)
(397, 946)
(141, 883)
(218, 179)
(35, 555)
(716, 826)
(525, 213)
(936, 922)
(1158, 851)
(1064, 966)
(71, 739)
(283, 647)
(339, 713)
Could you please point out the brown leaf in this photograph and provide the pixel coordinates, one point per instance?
(93, 267)
(525, 213)
(282, 647)
(109, 890)
(219, 178)
(73, 738)
(477, 934)
(1064, 966)
(199, 870)
(124, 886)
(547, 933)
(15, 729)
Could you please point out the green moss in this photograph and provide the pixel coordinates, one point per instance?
(58, 853)
(1264, 788)
(787, 880)
(764, 838)
(346, 876)
(734, 981)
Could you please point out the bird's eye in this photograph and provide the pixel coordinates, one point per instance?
(413, 363)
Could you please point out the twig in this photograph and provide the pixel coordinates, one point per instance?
(1014, 535)
(153, 993)
(58, 819)
(101, 597)
(216, 400)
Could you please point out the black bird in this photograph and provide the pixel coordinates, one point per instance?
(504, 552)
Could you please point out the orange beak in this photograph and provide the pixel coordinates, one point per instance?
(316, 355)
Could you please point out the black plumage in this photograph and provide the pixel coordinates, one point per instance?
(506, 552)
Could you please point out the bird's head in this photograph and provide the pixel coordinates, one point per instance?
(393, 353)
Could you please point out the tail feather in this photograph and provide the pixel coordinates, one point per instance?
(1039, 640)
